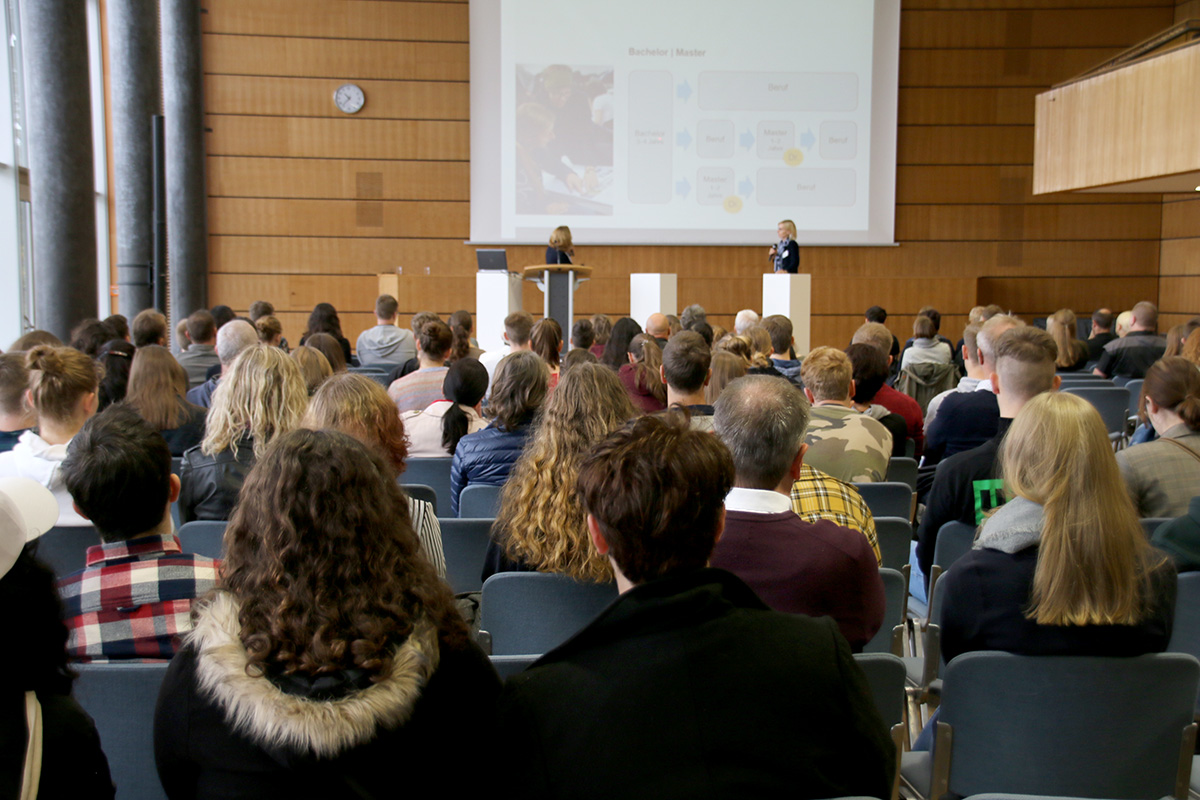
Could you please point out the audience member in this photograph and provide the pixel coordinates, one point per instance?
(324, 319)
(201, 353)
(434, 431)
(685, 371)
(1180, 538)
(1124, 321)
(1072, 353)
(1102, 324)
(602, 326)
(546, 341)
(744, 320)
(1096, 587)
(879, 315)
(1164, 475)
(642, 375)
(841, 442)
(1132, 356)
(517, 393)
(16, 416)
(62, 392)
(115, 359)
(658, 327)
(360, 408)
(968, 419)
(819, 569)
(120, 326)
(870, 373)
(328, 346)
(385, 345)
(518, 326)
(966, 486)
(149, 327)
(616, 352)
(1191, 347)
(33, 339)
(232, 338)
(653, 495)
(222, 315)
(314, 367)
(135, 595)
(331, 647)
(725, 368)
(90, 335)
(157, 391)
(464, 346)
(691, 315)
(540, 525)
(739, 346)
(673, 325)
(783, 356)
(925, 347)
(817, 496)
(260, 309)
(182, 340)
(576, 357)
(877, 335)
(270, 330)
(583, 335)
(707, 331)
(972, 367)
(36, 675)
(418, 389)
(761, 351)
(262, 397)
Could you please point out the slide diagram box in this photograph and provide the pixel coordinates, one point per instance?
(784, 186)
(713, 185)
(650, 136)
(839, 140)
(774, 138)
(777, 91)
(714, 138)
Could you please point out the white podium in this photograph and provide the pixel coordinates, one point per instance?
(790, 295)
(652, 293)
(497, 294)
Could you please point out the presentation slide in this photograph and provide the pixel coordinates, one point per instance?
(671, 122)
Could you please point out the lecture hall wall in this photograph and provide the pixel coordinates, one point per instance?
(306, 204)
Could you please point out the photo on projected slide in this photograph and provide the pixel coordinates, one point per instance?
(564, 140)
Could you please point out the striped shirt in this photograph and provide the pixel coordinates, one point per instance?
(133, 598)
(416, 390)
(816, 495)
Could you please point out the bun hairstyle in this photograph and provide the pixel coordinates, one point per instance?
(1174, 384)
(58, 378)
(435, 339)
(465, 385)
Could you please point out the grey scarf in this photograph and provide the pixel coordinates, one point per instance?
(1014, 527)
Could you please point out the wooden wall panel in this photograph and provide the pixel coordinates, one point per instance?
(1041, 296)
(309, 205)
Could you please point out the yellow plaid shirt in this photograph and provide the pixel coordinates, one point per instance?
(816, 495)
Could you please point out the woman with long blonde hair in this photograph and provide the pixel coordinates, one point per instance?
(726, 368)
(1072, 353)
(1063, 568)
(261, 397)
(158, 387)
(541, 524)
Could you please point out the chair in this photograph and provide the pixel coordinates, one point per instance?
(1134, 387)
(954, 540)
(419, 491)
(120, 698)
(1185, 632)
(1112, 403)
(895, 590)
(895, 538)
(64, 549)
(885, 676)
(530, 613)
(1120, 381)
(203, 537)
(434, 473)
(377, 374)
(1076, 726)
(464, 546)
(1150, 524)
(479, 500)
(887, 498)
(507, 666)
(903, 470)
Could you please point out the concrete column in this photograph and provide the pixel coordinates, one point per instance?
(62, 181)
(183, 107)
(133, 73)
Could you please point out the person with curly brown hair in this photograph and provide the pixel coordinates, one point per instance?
(331, 657)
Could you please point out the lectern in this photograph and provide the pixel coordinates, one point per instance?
(791, 296)
(558, 282)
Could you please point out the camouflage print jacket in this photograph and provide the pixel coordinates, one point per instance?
(847, 444)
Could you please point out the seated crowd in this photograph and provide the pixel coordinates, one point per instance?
(711, 477)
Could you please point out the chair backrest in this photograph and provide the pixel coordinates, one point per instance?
(120, 698)
(1134, 387)
(507, 666)
(419, 491)
(903, 470)
(176, 464)
(1111, 401)
(895, 540)
(434, 473)
(1150, 524)
(479, 500)
(64, 550)
(1077, 726)
(895, 592)
(1185, 633)
(887, 498)
(203, 537)
(954, 540)
(464, 546)
(377, 374)
(1119, 380)
(530, 613)
(885, 675)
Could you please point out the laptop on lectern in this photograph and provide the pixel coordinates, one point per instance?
(492, 260)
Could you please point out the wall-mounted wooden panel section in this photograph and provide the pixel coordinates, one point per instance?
(308, 204)
(1042, 296)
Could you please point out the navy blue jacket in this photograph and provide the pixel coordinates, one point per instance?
(486, 457)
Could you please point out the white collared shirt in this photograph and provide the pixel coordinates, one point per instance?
(757, 501)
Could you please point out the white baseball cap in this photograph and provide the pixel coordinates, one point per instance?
(27, 510)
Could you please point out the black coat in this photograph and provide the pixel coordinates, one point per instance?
(210, 484)
(73, 765)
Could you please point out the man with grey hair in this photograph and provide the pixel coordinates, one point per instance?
(819, 569)
(1130, 356)
(745, 319)
(233, 337)
(968, 419)
(692, 314)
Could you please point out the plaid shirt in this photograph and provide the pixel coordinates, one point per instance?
(816, 495)
(133, 598)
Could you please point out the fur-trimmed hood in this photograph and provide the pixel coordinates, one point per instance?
(288, 724)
